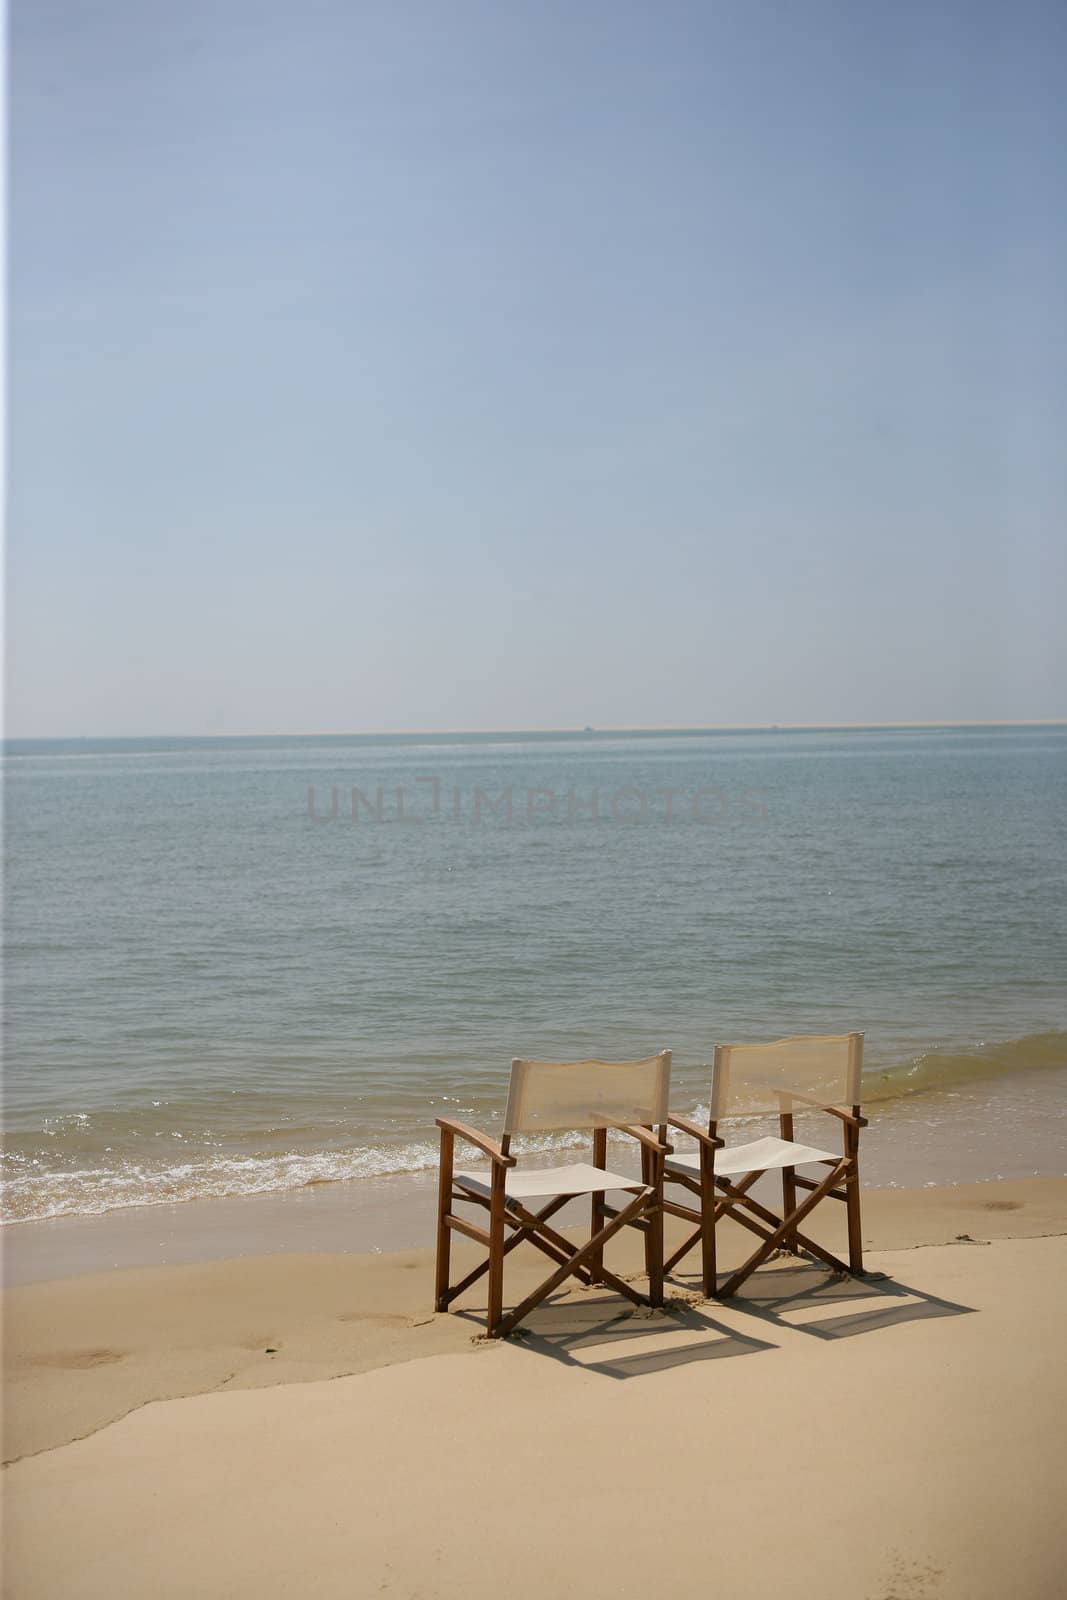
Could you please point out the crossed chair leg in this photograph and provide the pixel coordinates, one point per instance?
(775, 1232)
(584, 1262)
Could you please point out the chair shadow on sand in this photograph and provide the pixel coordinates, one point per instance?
(592, 1331)
(795, 1295)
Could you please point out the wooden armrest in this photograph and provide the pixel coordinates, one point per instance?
(481, 1141)
(649, 1140)
(846, 1116)
(684, 1125)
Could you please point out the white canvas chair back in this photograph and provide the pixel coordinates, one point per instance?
(807, 1073)
(547, 1096)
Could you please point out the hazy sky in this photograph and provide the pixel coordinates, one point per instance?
(496, 363)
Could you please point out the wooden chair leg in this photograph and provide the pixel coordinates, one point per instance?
(650, 1251)
(852, 1203)
(444, 1232)
(708, 1263)
(654, 1241)
(789, 1188)
(495, 1310)
(596, 1216)
(789, 1205)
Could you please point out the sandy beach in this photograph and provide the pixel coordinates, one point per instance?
(636, 426)
(305, 1423)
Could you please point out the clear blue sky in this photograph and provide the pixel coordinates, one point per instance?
(495, 363)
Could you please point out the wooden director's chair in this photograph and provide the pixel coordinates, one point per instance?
(560, 1096)
(810, 1073)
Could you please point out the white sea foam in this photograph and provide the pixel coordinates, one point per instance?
(28, 1194)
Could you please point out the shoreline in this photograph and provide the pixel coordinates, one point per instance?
(82, 1350)
(934, 1139)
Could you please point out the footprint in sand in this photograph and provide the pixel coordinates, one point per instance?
(384, 1319)
(77, 1360)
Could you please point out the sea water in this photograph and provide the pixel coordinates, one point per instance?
(245, 965)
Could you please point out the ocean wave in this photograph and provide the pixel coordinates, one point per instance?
(28, 1194)
(34, 1191)
(940, 1069)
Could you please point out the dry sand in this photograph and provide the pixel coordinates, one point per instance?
(900, 1439)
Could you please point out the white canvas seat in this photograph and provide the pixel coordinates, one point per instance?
(577, 1178)
(762, 1155)
(559, 1096)
(808, 1074)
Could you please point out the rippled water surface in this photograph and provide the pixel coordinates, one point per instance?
(249, 965)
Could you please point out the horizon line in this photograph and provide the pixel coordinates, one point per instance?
(608, 728)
